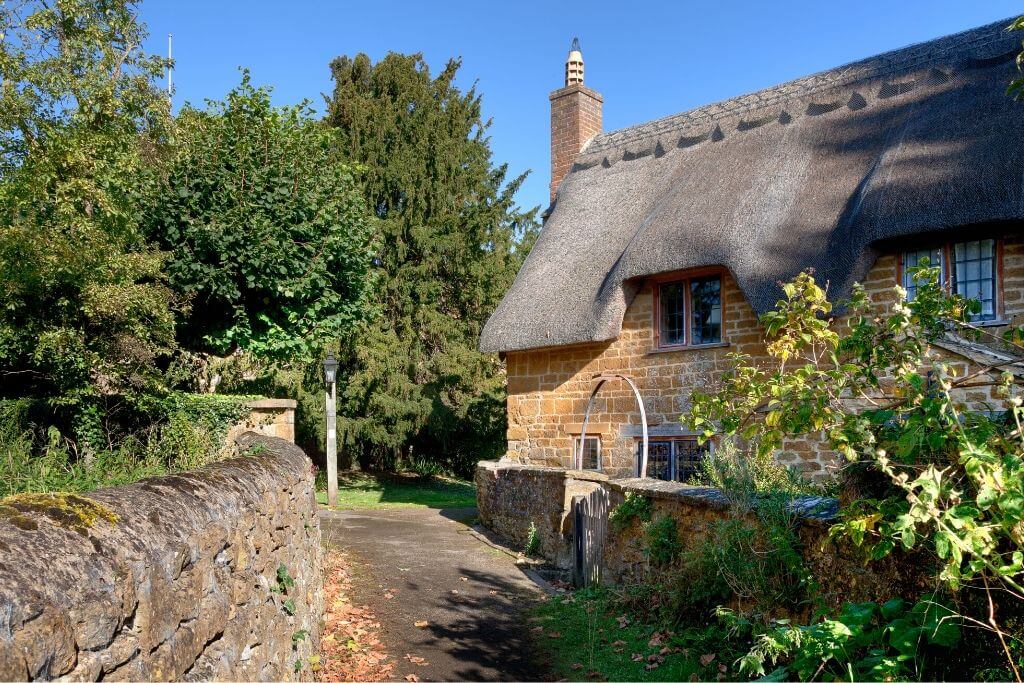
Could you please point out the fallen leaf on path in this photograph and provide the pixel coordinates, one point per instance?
(537, 629)
(576, 667)
(723, 668)
(419, 661)
(694, 677)
(455, 592)
(651, 667)
(623, 621)
(707, 659)
(637, 657)
(619, 643)
(463, 578)
(492, 592)
(350, 647)
(423, 623)
(412, 678)
(555, 634)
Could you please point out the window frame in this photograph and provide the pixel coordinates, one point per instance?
(685, 278)
(673, 465)
(948, 280)
(577, 449)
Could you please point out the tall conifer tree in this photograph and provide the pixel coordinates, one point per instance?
(452, 239)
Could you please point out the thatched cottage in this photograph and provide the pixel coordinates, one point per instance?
(665, 241)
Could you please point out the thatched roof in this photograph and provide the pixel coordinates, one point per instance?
(811, 173)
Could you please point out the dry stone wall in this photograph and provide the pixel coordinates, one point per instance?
(211, 574)
(511, 497)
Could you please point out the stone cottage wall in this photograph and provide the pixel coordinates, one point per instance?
(548, 389)
(177, 577)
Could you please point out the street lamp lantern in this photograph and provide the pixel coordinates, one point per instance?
(331, 377)
(330, 368)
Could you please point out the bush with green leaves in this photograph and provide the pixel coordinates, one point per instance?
(884, 394)
(84, 310)
(268, 236)
(864, 642)
(182, 432)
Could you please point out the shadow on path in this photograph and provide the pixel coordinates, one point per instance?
(472, 597)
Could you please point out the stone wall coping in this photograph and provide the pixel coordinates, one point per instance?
(584, 475)
(271, 403)
(818, 508)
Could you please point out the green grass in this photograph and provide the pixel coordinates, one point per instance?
(363, 490)
(582, 638)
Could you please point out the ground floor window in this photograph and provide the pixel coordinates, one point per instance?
(590, 457)
(672, 459)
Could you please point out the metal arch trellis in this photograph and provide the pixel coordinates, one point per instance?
(602, 378)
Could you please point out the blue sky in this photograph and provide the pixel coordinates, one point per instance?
(647, 59)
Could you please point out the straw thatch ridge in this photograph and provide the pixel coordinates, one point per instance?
(811, 173)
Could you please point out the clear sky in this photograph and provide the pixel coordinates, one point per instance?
(648, 59)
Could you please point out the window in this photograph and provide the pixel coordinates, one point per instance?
(689, 312)
(591, 455)
(975, 274)
(912, 259)
(672, 459)
(971, 269)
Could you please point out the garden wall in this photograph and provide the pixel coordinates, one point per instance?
(511, 496)
(210, 574)
(268, 416)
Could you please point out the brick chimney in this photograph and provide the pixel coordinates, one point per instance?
(575, 117)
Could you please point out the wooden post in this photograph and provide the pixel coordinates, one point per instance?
(332, 447)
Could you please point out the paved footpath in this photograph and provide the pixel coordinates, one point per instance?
(471, 595)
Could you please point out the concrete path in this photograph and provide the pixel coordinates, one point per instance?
(472, 596)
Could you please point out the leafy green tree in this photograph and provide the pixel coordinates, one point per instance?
(267, 233)
(451, 239)
(84, 313)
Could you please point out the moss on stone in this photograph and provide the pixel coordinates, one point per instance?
(69, 510)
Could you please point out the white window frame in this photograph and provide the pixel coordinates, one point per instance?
(577, 453)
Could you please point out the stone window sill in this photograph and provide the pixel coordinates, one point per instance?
(694, 347)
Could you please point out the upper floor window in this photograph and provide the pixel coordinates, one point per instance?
(589, 458)
(689, 312)
(971, 269)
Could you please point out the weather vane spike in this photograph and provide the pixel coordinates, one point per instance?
(575, 44)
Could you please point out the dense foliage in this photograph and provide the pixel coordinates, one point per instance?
(228, 247)
(266, 233)
(450, 242)
(936, 477)
(84, 311)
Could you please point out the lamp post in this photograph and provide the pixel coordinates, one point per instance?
(331, 377)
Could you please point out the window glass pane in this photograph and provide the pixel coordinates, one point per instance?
(688, 455)
(974, 274)
(671, 302)
(659, 459)
(591, 452)
(706, 303)
(912, 259)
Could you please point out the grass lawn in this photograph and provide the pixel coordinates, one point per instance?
(385, 490)
(585, 638)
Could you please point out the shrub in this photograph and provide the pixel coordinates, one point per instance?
(633, 507)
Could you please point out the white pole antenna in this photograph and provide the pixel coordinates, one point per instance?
(170, 69)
